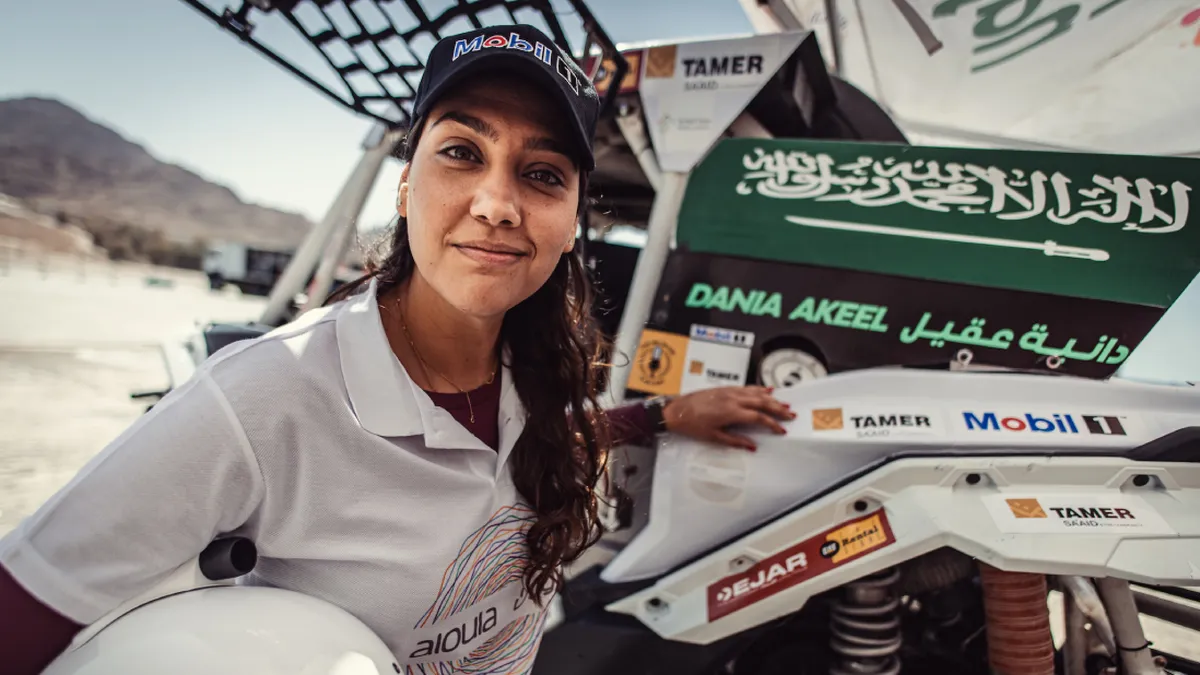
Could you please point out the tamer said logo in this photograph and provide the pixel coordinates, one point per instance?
(1026, 508)
(828, 419)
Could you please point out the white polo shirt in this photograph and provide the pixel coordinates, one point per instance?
(315, 443)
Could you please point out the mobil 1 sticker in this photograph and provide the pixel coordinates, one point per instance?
(716, 357)
(724, 336)
(1048, 423)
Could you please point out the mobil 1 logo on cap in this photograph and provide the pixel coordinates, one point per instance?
(541, 52)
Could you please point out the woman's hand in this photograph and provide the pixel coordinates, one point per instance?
(706, 415)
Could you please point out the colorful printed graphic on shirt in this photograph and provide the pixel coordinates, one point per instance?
(481, 620)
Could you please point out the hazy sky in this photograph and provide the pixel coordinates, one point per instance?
(166, 78)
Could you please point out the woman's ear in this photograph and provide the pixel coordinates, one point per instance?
(571, 242)
(402, 194)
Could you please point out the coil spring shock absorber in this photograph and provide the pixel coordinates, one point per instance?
(1018, 622)
(865, 624)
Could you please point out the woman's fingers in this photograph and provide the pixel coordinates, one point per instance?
(734, 440)
(762, 399)
(749, 416)
(769, 422)
(770, 405)
(778, 409)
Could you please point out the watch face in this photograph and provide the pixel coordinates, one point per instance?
(789, 367)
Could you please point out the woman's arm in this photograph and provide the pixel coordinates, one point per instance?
(153, 499)
(33, 632)
(630, 425)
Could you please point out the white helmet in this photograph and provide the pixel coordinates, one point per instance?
(225, 630)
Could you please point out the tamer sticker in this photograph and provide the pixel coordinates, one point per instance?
(800, 562)
(1075, 513)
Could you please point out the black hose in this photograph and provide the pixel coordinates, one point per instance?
(1177, 591)
(228, 558)
(1176, 612)
(935, 570)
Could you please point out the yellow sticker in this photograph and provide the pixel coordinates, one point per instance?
(858, 537)
(608, 69)
(658, 365)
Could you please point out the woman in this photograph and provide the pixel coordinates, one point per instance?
(402, 452)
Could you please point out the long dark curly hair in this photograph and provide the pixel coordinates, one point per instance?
(555, 350)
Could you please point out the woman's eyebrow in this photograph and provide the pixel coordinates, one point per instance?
(547, 144)
(471, 122)
(483, 128)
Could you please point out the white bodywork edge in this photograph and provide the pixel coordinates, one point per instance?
(931, 503)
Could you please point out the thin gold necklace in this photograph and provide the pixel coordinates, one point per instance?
(426, 367)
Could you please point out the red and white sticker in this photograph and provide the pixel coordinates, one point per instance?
(800, 562)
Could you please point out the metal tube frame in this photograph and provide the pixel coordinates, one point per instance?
(1082, 594)
(660, 230)
(629, 121)
(346, 229)
(322, 281)
(1132, 646)
(1179, 612)
(1075, 646)
(312, 249)
(835, 39)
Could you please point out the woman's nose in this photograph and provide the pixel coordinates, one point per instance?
(496, 200)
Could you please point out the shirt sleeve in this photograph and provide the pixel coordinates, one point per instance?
(180, 476)
(630, 424)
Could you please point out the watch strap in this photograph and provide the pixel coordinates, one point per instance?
(654, 413)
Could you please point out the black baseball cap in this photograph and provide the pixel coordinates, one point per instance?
(519, 49)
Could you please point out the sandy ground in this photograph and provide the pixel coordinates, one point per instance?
(76, 338)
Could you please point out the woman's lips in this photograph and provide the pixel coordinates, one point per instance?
(488, 256)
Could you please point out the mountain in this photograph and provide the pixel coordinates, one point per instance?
(61, 163)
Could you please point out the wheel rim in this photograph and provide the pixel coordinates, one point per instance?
(789, 367)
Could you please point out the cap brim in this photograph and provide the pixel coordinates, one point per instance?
(517, 63)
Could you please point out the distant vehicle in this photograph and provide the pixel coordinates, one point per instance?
(252, 270)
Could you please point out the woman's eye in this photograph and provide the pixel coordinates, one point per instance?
(459, 152)
(545, 176)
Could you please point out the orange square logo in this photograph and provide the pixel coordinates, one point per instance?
(828, 419)
(660, 61)
(1026, 508)
(697, 368)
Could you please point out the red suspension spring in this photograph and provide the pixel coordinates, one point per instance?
(1018, 622)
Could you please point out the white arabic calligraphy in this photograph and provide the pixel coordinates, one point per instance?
(968, 188)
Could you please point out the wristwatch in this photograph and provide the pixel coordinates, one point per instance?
(654, 412)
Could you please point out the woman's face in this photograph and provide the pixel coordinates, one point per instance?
(490, 195)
